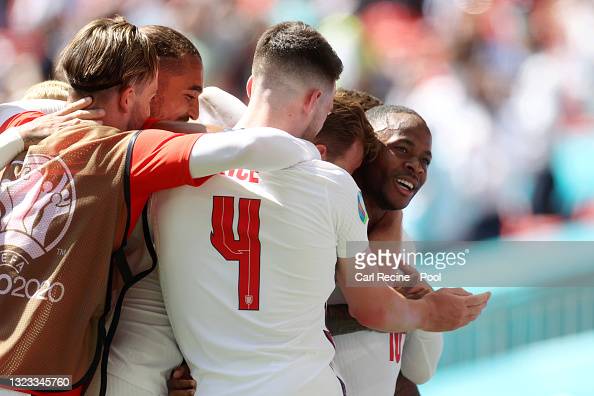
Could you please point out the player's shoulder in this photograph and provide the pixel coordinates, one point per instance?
(88, 137)
(320, 167)
(327, 172)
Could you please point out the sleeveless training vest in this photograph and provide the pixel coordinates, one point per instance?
(64, 216)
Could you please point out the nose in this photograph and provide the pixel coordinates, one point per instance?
(414, 166)
(194, 109)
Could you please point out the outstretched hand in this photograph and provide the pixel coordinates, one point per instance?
(452, 308)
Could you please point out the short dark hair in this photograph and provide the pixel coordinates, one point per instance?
(378, 116)
(363, 99)
(295, 47)
(345, 125)
(108, 52)
(170, 43)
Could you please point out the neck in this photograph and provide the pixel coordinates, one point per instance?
(107, 101)
(374, 212)
(265, 111)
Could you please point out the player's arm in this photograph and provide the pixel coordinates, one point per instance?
(422, 349)
(389, 229)
(379, 306)
(218, 107)
(421, 354)
(260, 149)
(339, 320)
(11, 144)
(162, 159)
(373, 307)
(384, 309)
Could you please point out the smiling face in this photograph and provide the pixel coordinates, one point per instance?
(180, 84)
(400, 169)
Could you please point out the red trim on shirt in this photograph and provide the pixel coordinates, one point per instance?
(160, 160)
(20, 119)
(73, 392)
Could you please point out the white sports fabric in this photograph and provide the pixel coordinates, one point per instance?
(144, 350)
(367, 364)
(370, 367)
(365, 360)
(10, 143)
(306, 215)
(369, 361)
(421, 355)
(45, 106)
(218, 107)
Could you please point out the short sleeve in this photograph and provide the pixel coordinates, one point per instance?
(160, 160)
(350, 216)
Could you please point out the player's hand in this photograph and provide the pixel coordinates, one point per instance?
(418, 289)
(450, 309)
(180, 382)
(40, 128)
(415, 292)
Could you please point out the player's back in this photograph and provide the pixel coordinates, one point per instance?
(247, 263)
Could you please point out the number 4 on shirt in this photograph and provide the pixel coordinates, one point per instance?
(245, 249)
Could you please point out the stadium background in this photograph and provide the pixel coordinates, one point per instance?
(507, 87)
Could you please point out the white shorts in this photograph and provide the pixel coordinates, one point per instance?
(326, 384)
(367, 363)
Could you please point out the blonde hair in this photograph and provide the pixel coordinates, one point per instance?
(106, 53)
(50, 89)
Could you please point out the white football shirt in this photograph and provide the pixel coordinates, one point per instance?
(370, 361)
(247, 262)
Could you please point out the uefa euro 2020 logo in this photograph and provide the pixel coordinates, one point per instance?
(36, 209)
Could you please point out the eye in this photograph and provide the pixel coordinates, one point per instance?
(400, 149)
(426, 161)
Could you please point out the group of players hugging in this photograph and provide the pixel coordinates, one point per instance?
(160, 238)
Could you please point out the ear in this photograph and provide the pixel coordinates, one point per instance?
(311, 100)
(127, 98)
(248, 86)
(323, 150)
